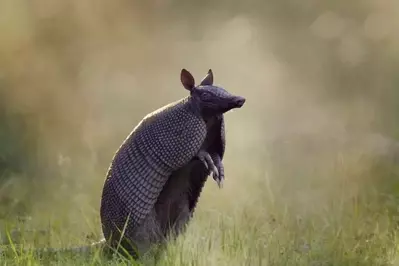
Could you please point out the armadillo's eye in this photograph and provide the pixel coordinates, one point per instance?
(205, 94)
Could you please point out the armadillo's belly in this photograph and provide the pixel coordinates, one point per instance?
(172, 206)
(178, 199)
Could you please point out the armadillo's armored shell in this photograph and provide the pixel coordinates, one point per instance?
(164, 141)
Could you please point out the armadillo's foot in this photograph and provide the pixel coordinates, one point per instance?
(206, 159)
(219, 178)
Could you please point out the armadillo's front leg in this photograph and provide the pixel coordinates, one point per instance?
(206, 159)
(214, 165)
(219, 166)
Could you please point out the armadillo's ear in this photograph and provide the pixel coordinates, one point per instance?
(208, 79)
(187, 79)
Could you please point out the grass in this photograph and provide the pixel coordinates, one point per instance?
(248, 238)
(345, 217)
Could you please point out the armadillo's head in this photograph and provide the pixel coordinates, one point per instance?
(211, 100)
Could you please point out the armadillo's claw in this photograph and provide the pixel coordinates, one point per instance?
(205, 164)
(220, 183)
(206, 159)
(219, 180)
(220, 176)
(215, 172)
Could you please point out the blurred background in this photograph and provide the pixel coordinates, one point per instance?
(320, 78)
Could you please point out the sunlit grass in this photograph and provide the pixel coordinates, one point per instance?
(346, 217)
(249, 239)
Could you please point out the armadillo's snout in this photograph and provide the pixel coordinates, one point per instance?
(239, 101)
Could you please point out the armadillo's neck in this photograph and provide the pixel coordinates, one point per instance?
(194, 106)
(198, 111)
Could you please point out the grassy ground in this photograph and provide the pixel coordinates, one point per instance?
(343, 213)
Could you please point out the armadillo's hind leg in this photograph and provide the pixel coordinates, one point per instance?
(180, 225)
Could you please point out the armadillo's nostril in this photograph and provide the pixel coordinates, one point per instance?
(240, 101)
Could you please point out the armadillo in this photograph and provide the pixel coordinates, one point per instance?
(156, 176)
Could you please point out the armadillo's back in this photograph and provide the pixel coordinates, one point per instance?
(163, 142)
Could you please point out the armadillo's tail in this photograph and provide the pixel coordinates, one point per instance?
(75, 250)
(48, 251)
